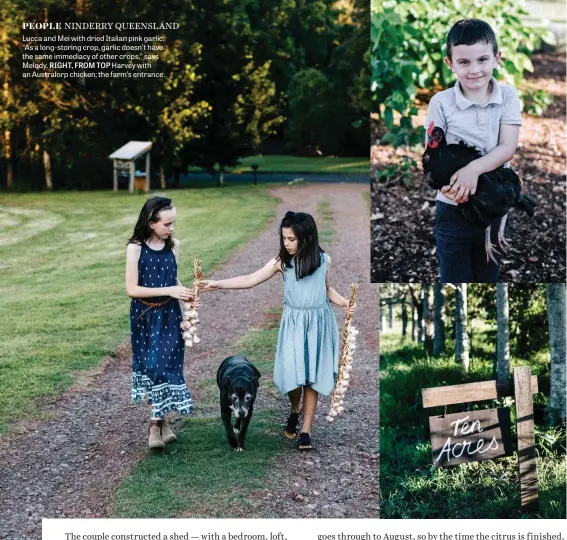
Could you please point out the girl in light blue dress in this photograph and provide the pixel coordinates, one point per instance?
(307, 355)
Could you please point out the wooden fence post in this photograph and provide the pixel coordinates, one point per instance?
(526, 439)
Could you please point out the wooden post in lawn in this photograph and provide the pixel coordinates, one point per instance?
(526, 439)
(115, 181)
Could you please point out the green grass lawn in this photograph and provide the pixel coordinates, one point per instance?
(294, 164)
(410, 486)
(200, 475)
(63, 303)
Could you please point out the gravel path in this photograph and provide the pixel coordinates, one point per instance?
(70, 463)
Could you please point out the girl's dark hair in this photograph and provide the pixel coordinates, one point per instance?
(469, 32)
(150, 214)
(308, 256)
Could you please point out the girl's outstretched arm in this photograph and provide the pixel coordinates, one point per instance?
(333, 296)
(133, 290)
(245, 282)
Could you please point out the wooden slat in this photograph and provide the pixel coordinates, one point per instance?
(465, 393)
(526, 439)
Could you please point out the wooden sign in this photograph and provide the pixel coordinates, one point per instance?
(470, 436)
(457, 439)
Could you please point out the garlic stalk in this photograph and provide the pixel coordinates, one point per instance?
(348, 346)
(190, 314)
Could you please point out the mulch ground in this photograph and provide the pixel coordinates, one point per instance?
(403, 244)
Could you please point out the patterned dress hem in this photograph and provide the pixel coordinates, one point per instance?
(163, 398)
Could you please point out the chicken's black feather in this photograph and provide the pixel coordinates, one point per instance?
(497, 191)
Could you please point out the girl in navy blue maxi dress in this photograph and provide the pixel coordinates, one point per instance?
(155, 315)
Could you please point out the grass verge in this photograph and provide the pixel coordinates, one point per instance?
(410, 486)
(294, 164)
(62, 257)
(200, 475)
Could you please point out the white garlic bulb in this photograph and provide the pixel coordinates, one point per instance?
(189, 343)
(192, 314)
(196, 339)
(192, 330)
(194, 321)
(330, 419)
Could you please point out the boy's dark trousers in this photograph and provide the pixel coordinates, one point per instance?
(460, 247)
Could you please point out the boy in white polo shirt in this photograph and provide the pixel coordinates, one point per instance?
(486, 114)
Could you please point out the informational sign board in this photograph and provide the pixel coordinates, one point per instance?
(470, 436)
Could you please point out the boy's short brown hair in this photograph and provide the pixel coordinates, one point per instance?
(469, 32)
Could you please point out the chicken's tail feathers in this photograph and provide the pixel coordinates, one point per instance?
(527, 204)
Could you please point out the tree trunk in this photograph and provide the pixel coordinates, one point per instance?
(404, 319)
(471, 338)
(429, 323)
(555, 293)
(8, 157)
(221, 176)
(162, 181)
(419, 308)
(47, 168)
(391, 294)
(413, 320)
(439, 319)
(461, 337)
(503, 332)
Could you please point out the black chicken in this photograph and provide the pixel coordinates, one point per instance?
(496, 193)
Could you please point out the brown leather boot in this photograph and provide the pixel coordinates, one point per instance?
(154, 435)
(167, 434)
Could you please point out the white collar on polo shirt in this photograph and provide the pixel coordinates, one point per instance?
(464, 103)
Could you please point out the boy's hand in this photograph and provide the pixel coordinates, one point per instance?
(463, 185)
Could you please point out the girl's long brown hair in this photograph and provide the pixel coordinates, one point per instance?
(150, 214)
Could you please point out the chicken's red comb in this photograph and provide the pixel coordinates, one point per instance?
(430, 128)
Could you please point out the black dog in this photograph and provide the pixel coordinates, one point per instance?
(237, 379)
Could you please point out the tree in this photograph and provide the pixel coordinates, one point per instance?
(417, 303)
(556, 319)
(413, 321)
(244, 105)
(428, 319)
(309, 93)
(391, 306)
(404, 318)
(439, 319)
(503, 334)
(461, 337)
